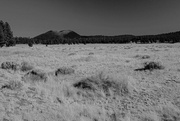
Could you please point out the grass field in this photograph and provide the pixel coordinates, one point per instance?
(93, 82)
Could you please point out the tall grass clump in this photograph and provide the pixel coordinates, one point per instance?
(103, 85)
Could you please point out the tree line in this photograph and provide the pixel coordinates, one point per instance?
(173, 37)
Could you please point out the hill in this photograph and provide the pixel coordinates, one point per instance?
(67, 34)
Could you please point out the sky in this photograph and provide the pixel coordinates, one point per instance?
(29, 18)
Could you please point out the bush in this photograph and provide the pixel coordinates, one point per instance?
(10, 65)
(151, 66)
(25, 66)
(64, 71)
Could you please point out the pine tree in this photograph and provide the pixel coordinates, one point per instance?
(1, 34)
(1, 31)
(8, 35)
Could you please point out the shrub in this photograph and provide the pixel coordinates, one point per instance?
(151, 66)
(34, 76)
(64, 71)
(10, 65)
(25, 66)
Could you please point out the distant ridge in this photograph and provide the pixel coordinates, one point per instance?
(71, 37)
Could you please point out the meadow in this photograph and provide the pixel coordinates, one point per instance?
(93, 82)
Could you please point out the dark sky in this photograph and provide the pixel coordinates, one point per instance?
(29, 18)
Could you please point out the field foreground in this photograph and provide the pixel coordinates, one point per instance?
(101, 82)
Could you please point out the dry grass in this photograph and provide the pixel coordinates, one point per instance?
(78, 92)
(103, 84)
